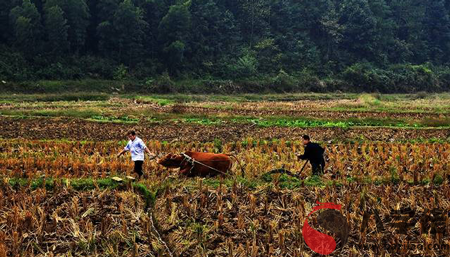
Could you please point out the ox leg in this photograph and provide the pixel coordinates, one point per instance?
(184, 171)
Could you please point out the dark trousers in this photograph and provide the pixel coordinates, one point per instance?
(318, 167)
(138, 167)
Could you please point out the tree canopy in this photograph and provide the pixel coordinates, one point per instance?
(345, 44)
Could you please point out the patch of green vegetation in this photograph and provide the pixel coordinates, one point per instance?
(160, 100)
(72, 142)
(185, 98)
(425, 181)
(236, 98)
(90, 114)
(151, 193)
(390, 108)
(370, 99)
(267, 122)
(311, 123)
(82, 184)
(335, 183)
(351, 179)
(302, 123)
(367, 180)
(14, 98)
(100, 111)
(290, 182)
(314, 181)
(33, 184)
(262, 122)
(394, 176)
(218, 145)
(202, 121)
(65, 86)
(122, 119)
(434, 122)
(84, 113)
(438, 179)
(305, 122)
(77, 184)
(149, 196)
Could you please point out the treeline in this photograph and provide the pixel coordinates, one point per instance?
(229, 45)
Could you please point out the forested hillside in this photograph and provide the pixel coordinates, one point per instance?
(228, 45)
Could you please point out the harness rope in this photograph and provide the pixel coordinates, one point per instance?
(193, 161)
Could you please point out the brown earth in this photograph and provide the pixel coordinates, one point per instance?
(312, 109)
(76, 129)
(300, 112)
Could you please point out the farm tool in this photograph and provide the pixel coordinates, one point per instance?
(288, 172)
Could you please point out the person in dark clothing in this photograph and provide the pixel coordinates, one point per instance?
(313, 153)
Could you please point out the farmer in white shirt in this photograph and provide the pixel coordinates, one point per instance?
(136, 147)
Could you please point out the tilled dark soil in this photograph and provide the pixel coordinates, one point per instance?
(76, 129)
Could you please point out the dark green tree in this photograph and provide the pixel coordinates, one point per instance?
(24, 36)
(308, 33)
(129, 27)
(5, 8)
(319, 44)
(173, 34)
(287, 33)
(359, 33)
(78, 19)
(27, 28)
(57, 30)
(76, 12)
(437, 28)
(384, 41)
(106, 9)
(105, 28)
(255, 19)
(214, 34)
(411, 45)
(176, 24)
(153, 13)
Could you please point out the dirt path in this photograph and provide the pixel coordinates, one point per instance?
(75, 129)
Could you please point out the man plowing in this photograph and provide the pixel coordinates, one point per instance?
(314, 154)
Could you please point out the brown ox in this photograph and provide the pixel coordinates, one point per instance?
(220, 163)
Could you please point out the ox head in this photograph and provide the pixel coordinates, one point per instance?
(171, 160)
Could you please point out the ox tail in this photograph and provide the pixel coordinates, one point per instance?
(240, 165)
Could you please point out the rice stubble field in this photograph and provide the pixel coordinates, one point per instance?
(387, 166)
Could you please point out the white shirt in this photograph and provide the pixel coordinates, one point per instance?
(137, 148)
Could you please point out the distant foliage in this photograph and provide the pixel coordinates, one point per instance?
(260, 45)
